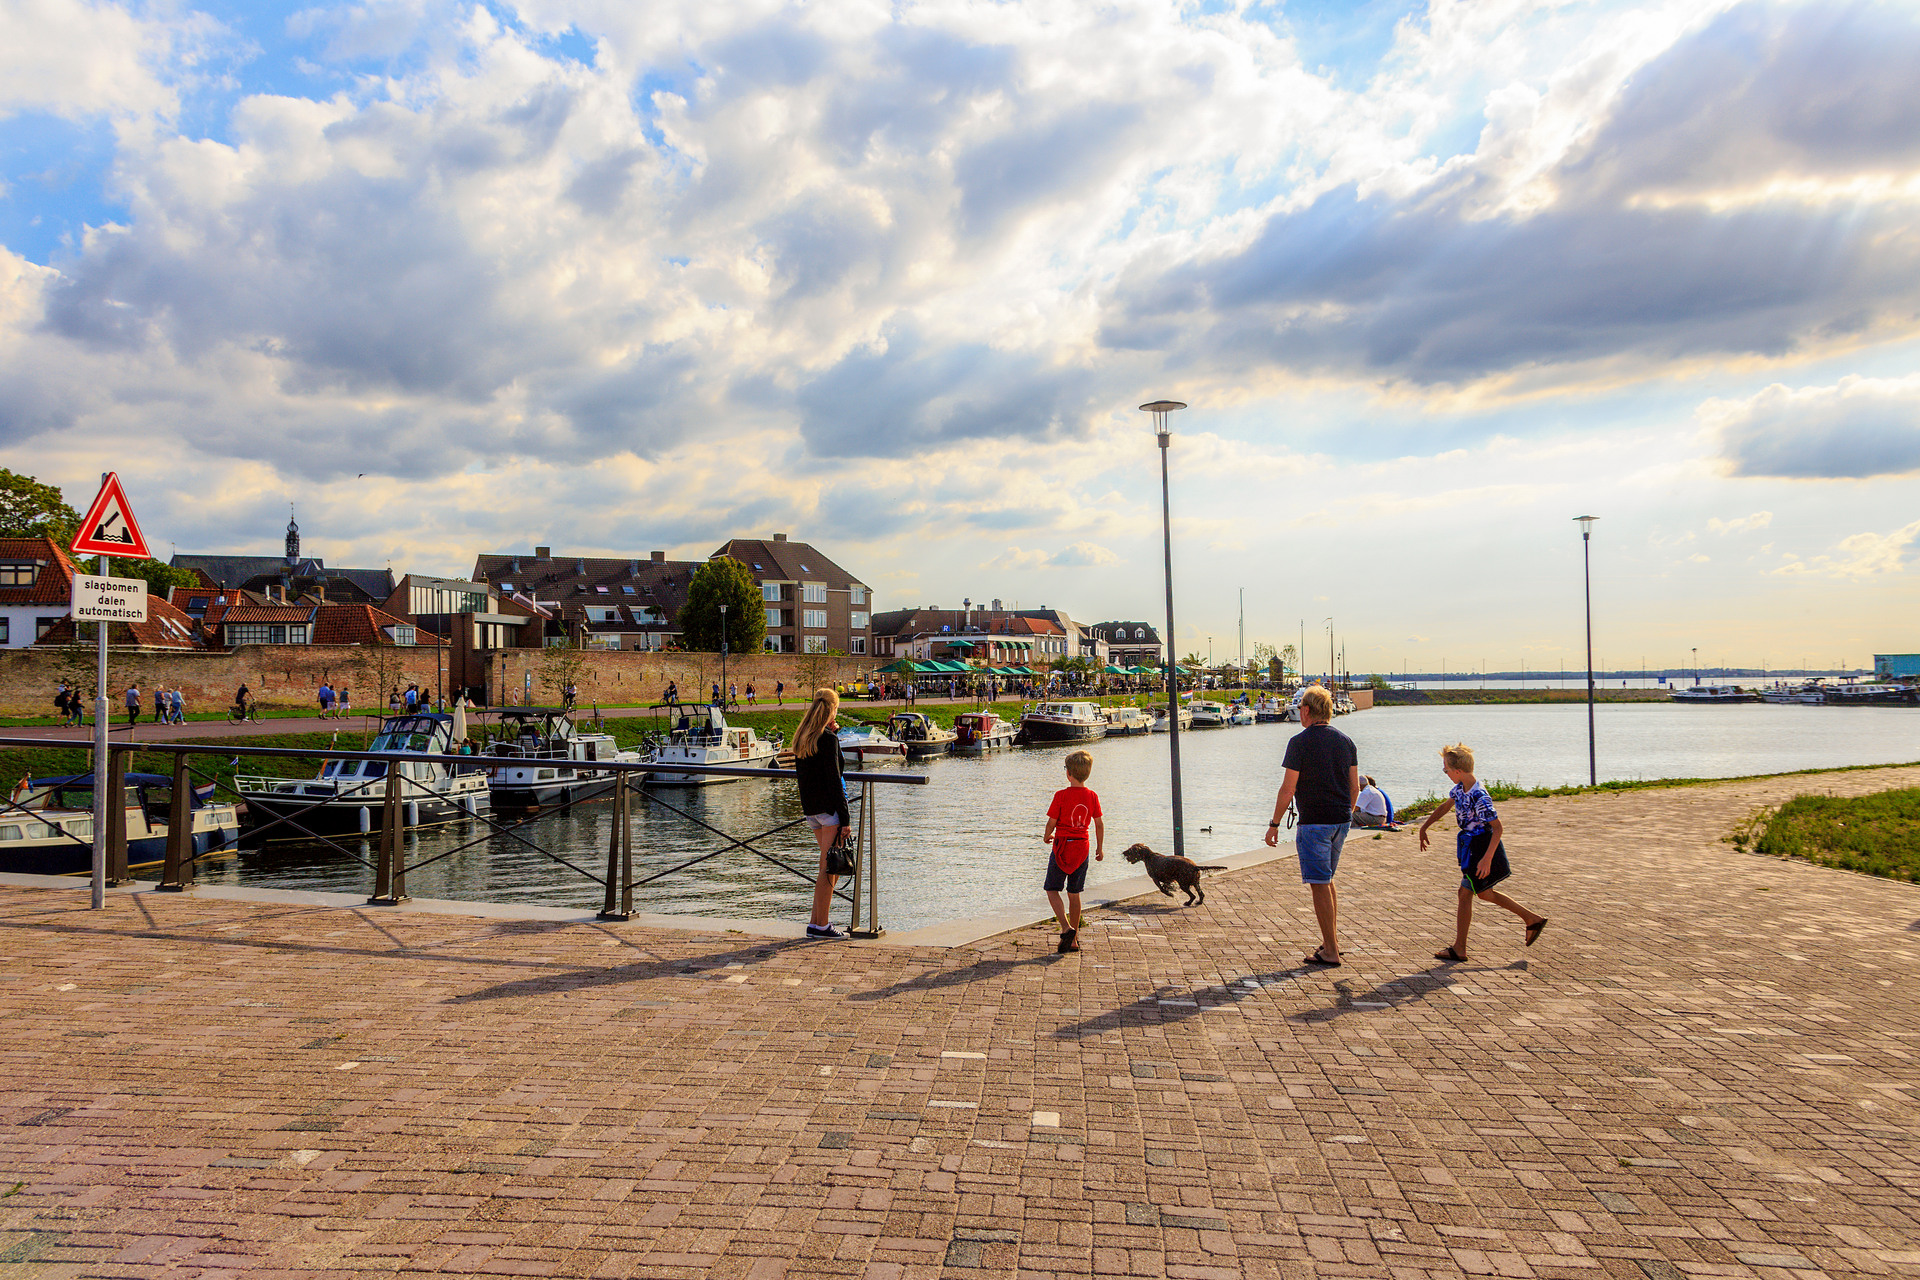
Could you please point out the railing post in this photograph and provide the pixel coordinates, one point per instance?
(116, 815)
(619, 855)
(178, 874)
(385, 891)
(867, 843)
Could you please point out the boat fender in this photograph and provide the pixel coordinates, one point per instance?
(366, 820)
(413, 813)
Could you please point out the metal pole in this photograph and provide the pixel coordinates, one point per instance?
(116, 871)
(178, 873)
(1593, 756)
(100, 729)
(1173, 683)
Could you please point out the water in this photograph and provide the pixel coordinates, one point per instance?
(968, 843)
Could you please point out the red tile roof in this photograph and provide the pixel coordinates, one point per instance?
(265, 613)
(362, 624)
(52, 585)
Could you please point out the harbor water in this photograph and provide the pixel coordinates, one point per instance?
(968, 843)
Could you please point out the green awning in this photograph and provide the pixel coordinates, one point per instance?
(904, 666)
(959, 644)
(1116, 671)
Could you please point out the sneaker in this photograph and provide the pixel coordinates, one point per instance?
(823, 931)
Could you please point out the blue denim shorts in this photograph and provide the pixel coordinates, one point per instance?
(1318, 845)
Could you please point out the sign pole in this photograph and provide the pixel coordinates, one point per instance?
(101, 727)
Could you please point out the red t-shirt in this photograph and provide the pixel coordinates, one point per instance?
(1073, 811)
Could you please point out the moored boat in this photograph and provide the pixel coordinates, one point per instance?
(346, 796)
(1270, 710)
(702, 736)
(866, 745)
(1702, 694)
(1160, 719)
(1056, 722)
(545, 759)
(54, 837)
(920, 735)
(1208, 715)
(978, 732)
(1239, 713)
(1127, 722)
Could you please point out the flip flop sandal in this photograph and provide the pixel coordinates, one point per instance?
(1450, 956)
(1321, 961)
(1067, 941)
(1533, 932)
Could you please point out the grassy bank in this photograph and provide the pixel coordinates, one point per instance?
(1460, 697)
(52, 761)
(1509, 791)
(1876, 834)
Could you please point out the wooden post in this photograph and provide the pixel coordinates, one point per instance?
(116, 815)
(178, 874)
(619, 905)
(867, 862)
(384, 892)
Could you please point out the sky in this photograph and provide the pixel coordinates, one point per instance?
(448, 278)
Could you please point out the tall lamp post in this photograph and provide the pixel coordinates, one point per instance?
(1586, 554)
(723, 655)
(1160, 409)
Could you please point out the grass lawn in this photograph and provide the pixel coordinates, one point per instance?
(1878, 834)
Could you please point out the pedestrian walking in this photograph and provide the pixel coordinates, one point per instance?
(715, 700)
(1075, 807)
(393, 700)
(344, 707)
(1478, 848)
(326, 700)
(133, 704)
(750, 693)
(1323, 776)
(823, 796)
(178, 700)
(779, 693)
(733, 692)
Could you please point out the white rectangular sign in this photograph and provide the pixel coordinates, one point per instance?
(109, 599)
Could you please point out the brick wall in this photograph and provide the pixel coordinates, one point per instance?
(287, 675)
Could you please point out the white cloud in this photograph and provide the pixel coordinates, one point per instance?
(1856, 428)
(1077, 555)
(72, 58)
(1745, 524)
(1864, 555)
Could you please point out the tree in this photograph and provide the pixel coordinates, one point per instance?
(1289, 660)
(561, 665)
(729, 582)
(29, 509)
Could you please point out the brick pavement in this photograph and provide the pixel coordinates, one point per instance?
(1705, 1069)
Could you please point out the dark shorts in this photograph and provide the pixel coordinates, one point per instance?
(1058, 879)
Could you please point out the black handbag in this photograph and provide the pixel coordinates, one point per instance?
(840, 855)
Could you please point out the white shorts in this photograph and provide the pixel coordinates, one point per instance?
(818, 820)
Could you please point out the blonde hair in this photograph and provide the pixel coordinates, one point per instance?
(1458, 756)
(1318, 701)
(806, 739)
(1079, 766)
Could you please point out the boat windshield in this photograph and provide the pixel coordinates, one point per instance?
(411, 733)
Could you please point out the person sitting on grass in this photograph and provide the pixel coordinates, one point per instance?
(1483, 860)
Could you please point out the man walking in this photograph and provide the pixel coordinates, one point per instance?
(1323, 773)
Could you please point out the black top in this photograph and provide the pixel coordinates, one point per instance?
(822, 789)
(1323, 755)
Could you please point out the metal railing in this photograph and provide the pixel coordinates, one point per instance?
(390, 867)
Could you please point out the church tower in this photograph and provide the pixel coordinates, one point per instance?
(293, 542)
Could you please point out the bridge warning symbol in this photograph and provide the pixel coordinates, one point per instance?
(109, 528)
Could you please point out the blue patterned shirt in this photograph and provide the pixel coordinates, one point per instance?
(1472, 809)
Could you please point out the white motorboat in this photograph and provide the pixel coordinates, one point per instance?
(1160, 719)
(1208, 715)
(920, 734)
(1270, 710)
(543, 758)
(1056, 722)
(1343, 705)
(54, 834)
(1240, 714)
(702, 735)
(979, 732)
(346, 797)
(866, 745)
(1127, 722)
(1702, 694)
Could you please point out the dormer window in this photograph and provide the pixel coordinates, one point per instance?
(18, 573)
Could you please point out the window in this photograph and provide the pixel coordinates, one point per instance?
(506, 588)
(18, 573)
(806, 568)
(6, 630)
(627, 591)
(401, 635)
(816, 644)
(254, 633)
(859, 622)
(773, 618)
(814, 592)
(815, 618)
(859, 594)
(769, 591)
(859, 644)
(771, 644)
(602, 590)
(43, 625)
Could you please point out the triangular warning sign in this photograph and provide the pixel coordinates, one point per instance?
(109, 528)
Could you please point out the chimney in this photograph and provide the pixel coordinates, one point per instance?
(633, 568)
(659, 557)
(779, 537)
(515, 566)
(996, 606)
(320, 590)
(543, 553)
(580, 568)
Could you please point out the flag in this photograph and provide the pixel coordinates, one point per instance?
(204, 794)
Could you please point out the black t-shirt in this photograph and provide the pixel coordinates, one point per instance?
(1323, 755)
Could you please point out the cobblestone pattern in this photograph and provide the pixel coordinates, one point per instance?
(1705, 1069)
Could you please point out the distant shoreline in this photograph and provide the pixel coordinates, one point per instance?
(1437, 697)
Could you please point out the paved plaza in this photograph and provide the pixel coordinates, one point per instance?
(1707, 1068)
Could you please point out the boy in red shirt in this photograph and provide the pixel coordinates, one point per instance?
(1074, 808)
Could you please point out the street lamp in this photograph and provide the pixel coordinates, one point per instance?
(1586, 554)
(1160, 409)
(723, 655)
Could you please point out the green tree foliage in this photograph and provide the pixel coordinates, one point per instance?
(1289, 660)
(729, 582)
(29, 509)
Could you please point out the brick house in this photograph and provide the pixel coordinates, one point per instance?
(596, 602)
(812, 604)
(1129, 644)
(36, 589)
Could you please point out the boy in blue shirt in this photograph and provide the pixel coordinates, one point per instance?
(1483, 862)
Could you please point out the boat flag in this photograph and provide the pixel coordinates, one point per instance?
(204, 794)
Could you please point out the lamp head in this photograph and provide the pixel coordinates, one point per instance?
(1586, 524)
(1160, 409)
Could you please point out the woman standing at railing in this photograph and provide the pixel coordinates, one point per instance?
(823, 795)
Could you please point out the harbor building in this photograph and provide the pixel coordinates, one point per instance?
(1129, 644)
(1896, 666)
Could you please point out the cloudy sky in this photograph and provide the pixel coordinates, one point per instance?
(890, 278)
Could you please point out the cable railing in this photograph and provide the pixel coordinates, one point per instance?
(400, 799)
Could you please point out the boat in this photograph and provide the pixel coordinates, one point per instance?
(1127, 722)
(54, 837)
(1239, 713)
(920, 734)
(1343, 705)
(701, 735)
(1160, 719)
(1208, 715)
(863, 746)
(979, 732)
(1270, 710)
(1050, 723)
(1855, 694)
(346, 796)
(1806, 693)
(543, 759)
(1713, 693)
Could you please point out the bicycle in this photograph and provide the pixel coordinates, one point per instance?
(238, 713)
